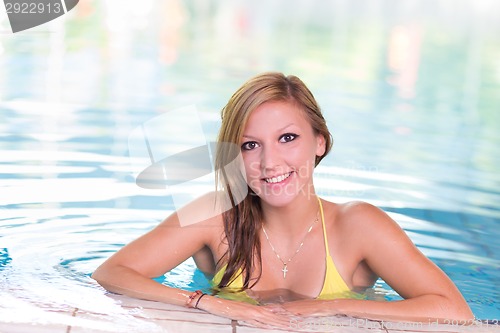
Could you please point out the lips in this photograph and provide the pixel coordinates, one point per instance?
(277, 179)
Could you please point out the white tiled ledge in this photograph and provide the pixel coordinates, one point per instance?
(145, 316)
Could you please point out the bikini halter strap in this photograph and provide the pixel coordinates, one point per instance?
(324, 226)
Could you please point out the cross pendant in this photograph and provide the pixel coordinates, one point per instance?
(284, 270)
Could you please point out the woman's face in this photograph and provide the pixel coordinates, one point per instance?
(279, 148)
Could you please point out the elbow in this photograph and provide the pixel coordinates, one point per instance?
(464, 314)
(459, 310)
(99, 275)
(111, 277)
(95, 276)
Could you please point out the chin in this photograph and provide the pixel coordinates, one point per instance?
(279, 199)
(277, 202)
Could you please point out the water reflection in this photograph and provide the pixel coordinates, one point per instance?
(410, 90)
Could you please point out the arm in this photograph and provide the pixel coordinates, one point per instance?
(387, 250)
(131, 269)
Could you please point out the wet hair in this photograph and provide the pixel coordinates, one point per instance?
(242, 223)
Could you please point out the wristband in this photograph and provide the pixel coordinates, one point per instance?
(192, 297)
(198, 300)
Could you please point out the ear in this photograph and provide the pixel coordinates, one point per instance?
(320, 145)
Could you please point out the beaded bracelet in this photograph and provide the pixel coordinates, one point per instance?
(192, 297)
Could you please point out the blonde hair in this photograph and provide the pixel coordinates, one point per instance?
(242, 223)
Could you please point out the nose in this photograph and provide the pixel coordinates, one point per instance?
(270, 158)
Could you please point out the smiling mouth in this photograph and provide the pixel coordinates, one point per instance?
(279, 179)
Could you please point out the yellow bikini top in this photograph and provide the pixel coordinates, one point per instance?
(333, 286)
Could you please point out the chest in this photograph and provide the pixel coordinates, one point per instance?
(295, 270)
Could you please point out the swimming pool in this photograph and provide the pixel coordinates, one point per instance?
(411, 100)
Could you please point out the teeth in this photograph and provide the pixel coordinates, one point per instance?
(278, 179)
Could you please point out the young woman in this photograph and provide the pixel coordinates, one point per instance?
(288, 251)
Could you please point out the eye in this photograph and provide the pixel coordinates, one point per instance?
(249, 145)
(288, 137)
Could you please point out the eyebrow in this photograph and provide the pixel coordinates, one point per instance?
(279, 130)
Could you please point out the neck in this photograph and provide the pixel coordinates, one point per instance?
(291, 219)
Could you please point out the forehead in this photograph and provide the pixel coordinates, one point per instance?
(274, 114)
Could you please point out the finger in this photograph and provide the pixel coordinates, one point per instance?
(269, 320)
(266, 318)
(267, 325)
(277, 309)
(278, 321)
(296, 311)
(256, 323)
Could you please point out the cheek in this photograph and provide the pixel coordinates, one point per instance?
(302, 158)
(303, 163)
(253, 175)
(251, 166)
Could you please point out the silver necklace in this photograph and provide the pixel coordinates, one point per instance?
(285, 263)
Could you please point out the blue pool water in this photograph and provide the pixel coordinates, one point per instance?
(410, 93)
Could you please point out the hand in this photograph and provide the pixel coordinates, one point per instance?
(311, 308)
(267, 316)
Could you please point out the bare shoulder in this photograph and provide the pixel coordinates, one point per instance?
(364, 217)
(358, 208)
(205, 211)
(198, 222)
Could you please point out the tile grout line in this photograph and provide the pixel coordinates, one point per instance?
(68, 329)
(167, 319)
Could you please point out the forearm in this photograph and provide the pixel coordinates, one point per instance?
(123, 280)
(126, 281)
(422, 308)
